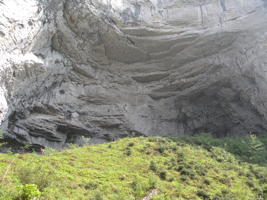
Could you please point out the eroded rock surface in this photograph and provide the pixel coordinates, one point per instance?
(78, 69)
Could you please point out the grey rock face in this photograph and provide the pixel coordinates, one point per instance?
(77, 69)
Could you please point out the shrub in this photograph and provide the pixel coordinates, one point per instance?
(153, 166)
(250, 183)
(161, 149)
(152, 181)
(91, 186)
(39, 175)
(29, 192)
(163, 174)
(174, 148)
(137, 188)
(131, 144)
(128, 152)
(98, 196)
(186, 172)
(207, 182)
(1, 137)
(172, 163)
(203, 194)
(170, 179)
(183, 179)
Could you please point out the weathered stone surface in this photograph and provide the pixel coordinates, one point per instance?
(75, 69)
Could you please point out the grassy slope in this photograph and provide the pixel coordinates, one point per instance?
(129, 169)
(250, 148)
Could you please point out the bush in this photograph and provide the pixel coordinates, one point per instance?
(152, 181)
(207, 181)
(250, 183)
(29, 192)
(38, 175)
(90, 186)
(183, 179)
(128, 152)
(131, 144)
(137, 188)
(98, 196)
(202, 194)
(153, 166)
(163, 175)
(161, 149)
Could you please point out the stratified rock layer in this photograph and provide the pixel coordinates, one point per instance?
(78, 69)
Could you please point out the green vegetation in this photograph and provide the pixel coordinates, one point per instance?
(1, 138)
(129, 169)
(250, 148)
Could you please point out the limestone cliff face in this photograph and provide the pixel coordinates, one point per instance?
(77, 69)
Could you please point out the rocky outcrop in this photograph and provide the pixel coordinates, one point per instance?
(78, 69)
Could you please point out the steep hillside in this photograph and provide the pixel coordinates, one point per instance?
(132, 169)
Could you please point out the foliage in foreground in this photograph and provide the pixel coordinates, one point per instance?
(129, 169)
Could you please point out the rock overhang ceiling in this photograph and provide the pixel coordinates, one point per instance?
(108, 69)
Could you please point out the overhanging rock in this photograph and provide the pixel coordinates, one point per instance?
(79, 69)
